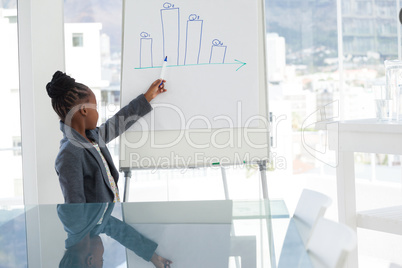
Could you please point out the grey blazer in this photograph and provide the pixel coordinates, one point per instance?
(82, 174)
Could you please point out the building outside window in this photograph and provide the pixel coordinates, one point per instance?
(17, 146)
(10, 134)
(312, 71)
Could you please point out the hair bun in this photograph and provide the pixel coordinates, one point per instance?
(60, 85)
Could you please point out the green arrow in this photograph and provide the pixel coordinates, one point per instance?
(240, 62)
(225, 63)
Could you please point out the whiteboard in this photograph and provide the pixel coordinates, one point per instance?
(215, 109)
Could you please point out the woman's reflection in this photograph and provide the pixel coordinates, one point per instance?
(86, 253)
(84, 248)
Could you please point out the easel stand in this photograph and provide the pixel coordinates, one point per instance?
(263, 169)
(127, 177)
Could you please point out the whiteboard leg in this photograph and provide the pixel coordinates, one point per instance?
(225, 183)
(127, 177)
(263, 171)
(263, 168)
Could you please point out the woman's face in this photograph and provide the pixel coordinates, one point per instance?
(92, 117)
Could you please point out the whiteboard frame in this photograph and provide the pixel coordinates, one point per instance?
(185, 155)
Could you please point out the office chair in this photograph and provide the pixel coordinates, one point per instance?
(330, 244)
(311, 206)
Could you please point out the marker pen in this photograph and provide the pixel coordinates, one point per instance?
(164, 65)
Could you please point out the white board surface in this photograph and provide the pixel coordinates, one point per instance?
(215, 80)
(206, 46)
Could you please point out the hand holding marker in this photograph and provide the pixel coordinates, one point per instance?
(164, 65)
(156, 87)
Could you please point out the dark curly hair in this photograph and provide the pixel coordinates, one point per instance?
(65, 93)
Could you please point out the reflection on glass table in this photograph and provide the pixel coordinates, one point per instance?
(219, 234)
(85, 222)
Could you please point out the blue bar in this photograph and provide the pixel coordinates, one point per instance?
(146, 53)
(171, 34)
(193, 40)
(218, 54)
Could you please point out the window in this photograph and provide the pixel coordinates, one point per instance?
(370, 36)
(97, 61)
(78, 40)
(10, 134)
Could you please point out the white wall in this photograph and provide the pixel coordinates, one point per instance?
(41, 53)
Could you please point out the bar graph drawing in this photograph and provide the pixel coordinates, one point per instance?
(146, 59)
(191, 49)
(213, 47)
(218, 52)
(193, 39)
(170, 18)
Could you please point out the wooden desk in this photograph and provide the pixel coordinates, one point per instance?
(368, 136)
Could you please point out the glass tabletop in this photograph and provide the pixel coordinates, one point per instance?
(221, 233)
